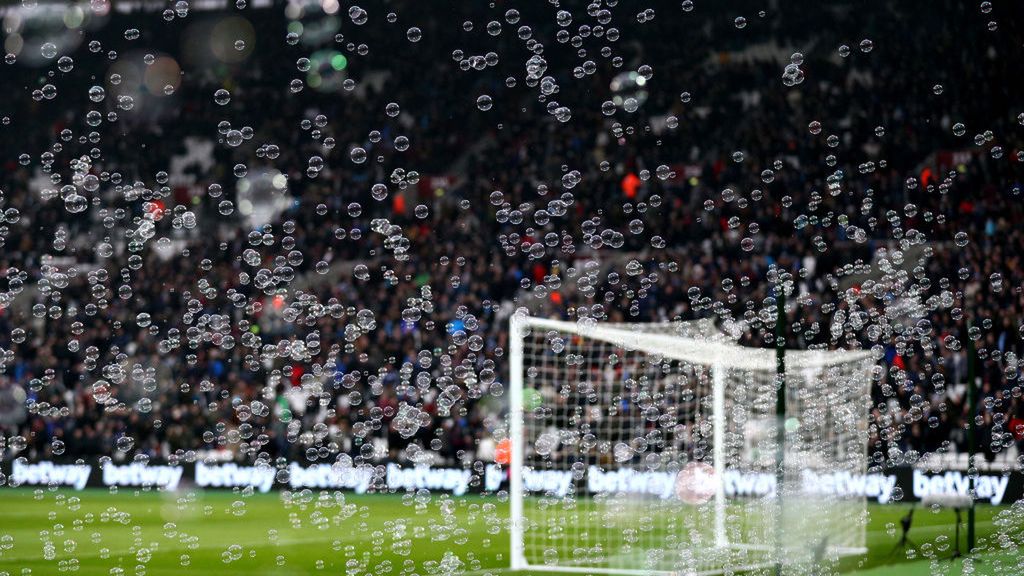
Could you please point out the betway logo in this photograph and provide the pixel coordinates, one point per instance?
(552, 482)
(454, 480)
(660, 484)
(991, 488)
(877, 486)
(557, 482)
(138, 474)
(46, 473)
(326, 476)
(234, 476)
(746, 484)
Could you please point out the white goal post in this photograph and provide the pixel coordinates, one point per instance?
(646, 449)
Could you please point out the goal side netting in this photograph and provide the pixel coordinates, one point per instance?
(654, 451)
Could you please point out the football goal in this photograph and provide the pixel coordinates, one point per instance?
(641, 449)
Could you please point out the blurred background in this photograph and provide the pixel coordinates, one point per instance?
(261, 230)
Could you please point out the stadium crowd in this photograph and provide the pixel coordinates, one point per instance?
(370, 313)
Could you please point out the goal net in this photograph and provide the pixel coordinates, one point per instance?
(654, 449)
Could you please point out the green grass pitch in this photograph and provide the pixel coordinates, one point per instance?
(132, 533)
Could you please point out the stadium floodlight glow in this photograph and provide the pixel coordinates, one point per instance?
(652, 449)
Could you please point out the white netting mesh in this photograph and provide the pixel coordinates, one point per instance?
(646, 450)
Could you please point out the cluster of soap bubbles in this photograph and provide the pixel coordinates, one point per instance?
(793, 75)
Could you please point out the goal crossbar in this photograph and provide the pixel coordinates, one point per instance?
(694, 350)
